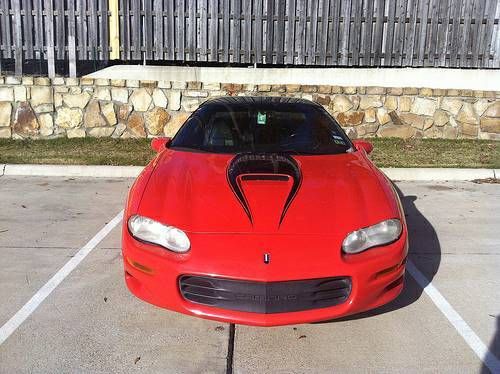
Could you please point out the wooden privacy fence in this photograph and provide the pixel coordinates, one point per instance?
(436, 33)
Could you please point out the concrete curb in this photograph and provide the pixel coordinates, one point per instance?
(102, 171)
(95, 171)
(438, 174)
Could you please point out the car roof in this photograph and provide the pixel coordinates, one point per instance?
(257, 100)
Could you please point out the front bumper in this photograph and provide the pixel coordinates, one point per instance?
(153, 274)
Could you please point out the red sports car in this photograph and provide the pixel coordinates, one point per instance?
(261, 211)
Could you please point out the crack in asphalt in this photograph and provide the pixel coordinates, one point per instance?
(230, 349)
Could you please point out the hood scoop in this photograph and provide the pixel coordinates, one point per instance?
(265, 184)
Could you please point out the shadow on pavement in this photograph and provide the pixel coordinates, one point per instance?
(494, 347)
(424, 251)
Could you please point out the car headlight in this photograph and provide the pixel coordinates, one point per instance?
(151, 231)
(382, 233)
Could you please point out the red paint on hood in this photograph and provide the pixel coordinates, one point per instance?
(338, 194)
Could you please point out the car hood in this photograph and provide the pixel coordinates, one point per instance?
(336, 195)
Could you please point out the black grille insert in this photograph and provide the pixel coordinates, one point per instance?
(265, 297)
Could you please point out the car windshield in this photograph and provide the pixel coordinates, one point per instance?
(262, 125)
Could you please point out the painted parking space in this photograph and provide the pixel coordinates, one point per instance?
(91, 323)
(466, 253)
(43, 222)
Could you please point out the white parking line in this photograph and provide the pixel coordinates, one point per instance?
(17, 319)
(451, 314)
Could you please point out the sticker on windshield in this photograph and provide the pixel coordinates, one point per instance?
(338, 140)
(261, 118)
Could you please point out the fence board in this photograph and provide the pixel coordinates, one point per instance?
(28, 29)
(400, 34)
(113, 18)
(104, 31)
(170, 30)
(344, 52)
(225, 35)
(389, 40)
(379, 33)
(6, 22)
(367, 38)
(38, 29)
(410, 36)
(158, 29)
(465, 41)
(125, 30)
(18, 38)
(476, 29)
(290, 33)
(71, 38)
(488, 32)
(135, 29)
(301, 32)
(258, 40)
(49, 37)
(203, 25)
(324, 7)
(214, 23)
(269, 31)
(93, 30)
(423, 28)
(443, 32)
(433, 31)
(456, 8)
(147, 28)
(496, 55)
(81, 30)
(356, 31)
(191, 28)
(247, 31)
(334, 31)
(235, 42)
(59, 29)
(457, 33)
(280, 33)
(312, 34)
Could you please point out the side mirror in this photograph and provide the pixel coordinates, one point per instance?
(159, 144)
(363, 144)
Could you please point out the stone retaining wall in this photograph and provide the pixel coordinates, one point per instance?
(80, 107)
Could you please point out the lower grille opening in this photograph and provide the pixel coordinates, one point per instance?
(265, 297)
(396, 283)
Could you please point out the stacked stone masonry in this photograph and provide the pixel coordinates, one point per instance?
(37, 107)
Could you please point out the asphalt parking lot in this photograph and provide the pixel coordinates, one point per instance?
(91, 323)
